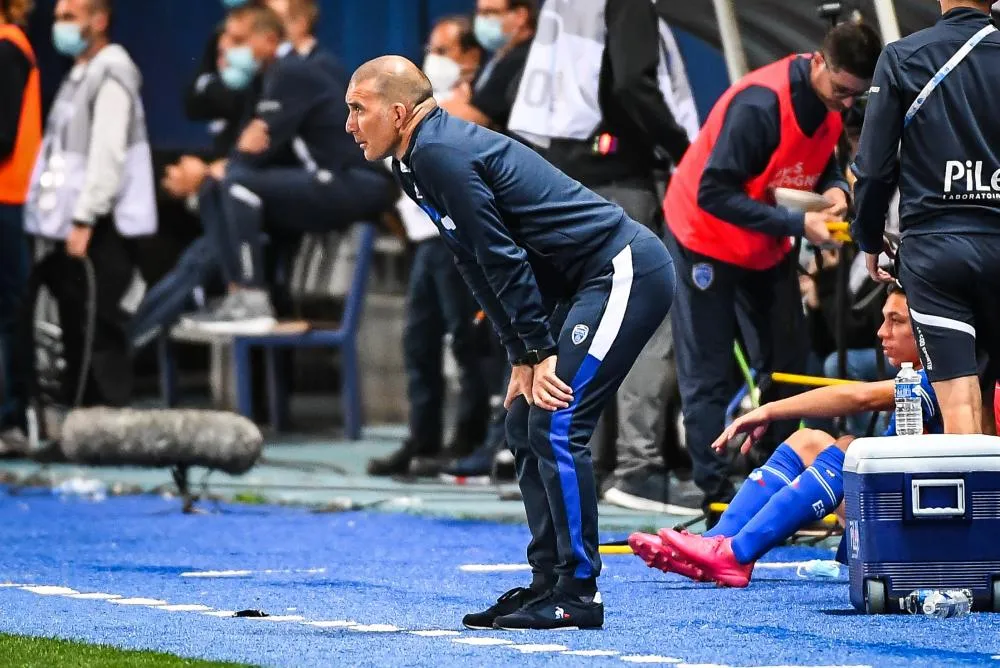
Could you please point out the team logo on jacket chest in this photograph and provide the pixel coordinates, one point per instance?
(702, 274)
(579, 334)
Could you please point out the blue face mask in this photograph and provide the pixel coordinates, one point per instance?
(241, 57)
(233, 4)
(67, 39)
(235, 78)
(489, 32)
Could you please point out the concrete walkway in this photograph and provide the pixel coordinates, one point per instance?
(325, 475)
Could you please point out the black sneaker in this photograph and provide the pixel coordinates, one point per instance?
(396, 462)
(510, 602)
(555, 611)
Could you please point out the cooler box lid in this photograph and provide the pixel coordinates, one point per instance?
(927, 453)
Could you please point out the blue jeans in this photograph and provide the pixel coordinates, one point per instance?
(13, 282)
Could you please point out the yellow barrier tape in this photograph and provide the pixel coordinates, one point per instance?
(815, 381)
(616, 549)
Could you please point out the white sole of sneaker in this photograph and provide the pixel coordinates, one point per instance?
(561, 628)
(479, 628)
(236, 327)
(622, 499)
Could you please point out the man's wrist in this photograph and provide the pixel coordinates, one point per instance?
(533, 357)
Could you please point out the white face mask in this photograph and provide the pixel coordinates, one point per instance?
(443, 73)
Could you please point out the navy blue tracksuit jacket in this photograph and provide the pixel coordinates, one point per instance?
(946, 164)
(553, 265)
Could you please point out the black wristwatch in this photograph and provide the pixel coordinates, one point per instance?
(533, 357)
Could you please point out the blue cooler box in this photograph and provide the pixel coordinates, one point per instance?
(923, 512)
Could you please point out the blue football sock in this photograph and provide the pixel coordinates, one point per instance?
(782, 468)
(810, 497)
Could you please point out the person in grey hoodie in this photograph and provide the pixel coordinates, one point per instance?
(92, 192)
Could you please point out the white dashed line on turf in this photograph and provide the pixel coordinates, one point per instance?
(375, 628)
(529, 649)
(193, 607)
(484, 641)
(48, 590)
(651, 658)
(592, 652)
(479, 640)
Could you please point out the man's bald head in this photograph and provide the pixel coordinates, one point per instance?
(395, 79)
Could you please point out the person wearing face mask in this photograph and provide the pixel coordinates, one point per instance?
(504, 28)
(293, 172)
(775, 128)
(438, 303)
(20, 137)
(220, 95)
(453, 55)
(92, 192)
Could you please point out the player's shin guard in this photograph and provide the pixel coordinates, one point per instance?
(811, 496)
(763, 483)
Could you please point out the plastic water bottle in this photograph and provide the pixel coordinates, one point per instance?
(909, 414)
(937, 603)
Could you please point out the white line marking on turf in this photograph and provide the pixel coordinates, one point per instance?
(437, 633)
(245, 573)
(592, 652)
(220, 613)
(4, 585)
(650, 658)
(49, 590)
(375, 628)
(494, 568)
(482, 641)
(278, 618)
(151, 602)
(333, 624)
(192, 607)
(94, 596)
(527, 649)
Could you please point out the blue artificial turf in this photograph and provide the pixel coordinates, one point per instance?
(404, 570)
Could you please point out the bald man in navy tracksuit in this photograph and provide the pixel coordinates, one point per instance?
(574, 288)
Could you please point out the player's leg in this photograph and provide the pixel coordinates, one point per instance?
(542, 551)
(812, 495)
(787, 462)
(610, 319)
(938, 273)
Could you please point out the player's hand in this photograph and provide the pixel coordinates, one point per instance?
(754, 424)
(549, 391)
(816, 230)
(255, 138)
(838, 203)
(877, 274)
(78, 240)
(519, 385)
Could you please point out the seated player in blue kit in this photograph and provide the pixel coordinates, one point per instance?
(801, 482)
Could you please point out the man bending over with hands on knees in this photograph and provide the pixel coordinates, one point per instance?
(572, 285)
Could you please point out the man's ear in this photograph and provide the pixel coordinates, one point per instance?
(398, 115)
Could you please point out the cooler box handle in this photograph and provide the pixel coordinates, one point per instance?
(921, 505)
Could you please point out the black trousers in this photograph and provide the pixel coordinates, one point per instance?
(714, 300)
(109, 379)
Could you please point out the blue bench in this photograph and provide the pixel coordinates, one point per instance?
(300, 334)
